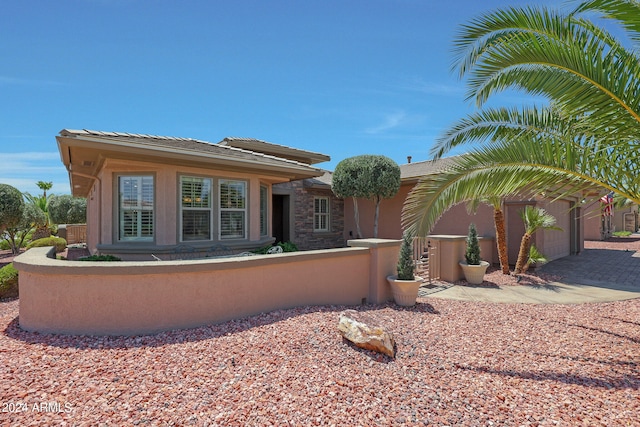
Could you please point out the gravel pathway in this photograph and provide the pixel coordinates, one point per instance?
(457, 364)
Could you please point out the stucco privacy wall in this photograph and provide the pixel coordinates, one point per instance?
(134, 298)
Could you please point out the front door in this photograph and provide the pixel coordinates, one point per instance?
(280, 218)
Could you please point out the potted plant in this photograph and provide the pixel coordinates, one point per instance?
(405, 285)
(472, 266)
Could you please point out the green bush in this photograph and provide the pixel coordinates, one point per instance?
(286, 247)
(100, 258)
(622, 234)
(4, 245)
(8, 281)
(406, 267)
(472, 253)
(58, 242)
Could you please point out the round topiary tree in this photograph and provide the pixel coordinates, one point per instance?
(372, 177)
(11, 206)
(66, 209)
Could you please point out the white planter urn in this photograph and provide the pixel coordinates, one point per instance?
(405, 292)
(474, 274)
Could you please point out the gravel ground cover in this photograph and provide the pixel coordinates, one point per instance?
(457, 364)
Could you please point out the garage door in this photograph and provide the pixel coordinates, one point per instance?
(557, 244)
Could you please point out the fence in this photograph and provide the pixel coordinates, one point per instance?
(424, 255)
(141, 297)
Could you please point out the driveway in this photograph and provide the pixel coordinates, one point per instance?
(603, 272)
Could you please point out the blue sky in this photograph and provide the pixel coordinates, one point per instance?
(338, 77)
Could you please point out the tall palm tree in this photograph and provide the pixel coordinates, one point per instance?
(586, 137)
(534, 219)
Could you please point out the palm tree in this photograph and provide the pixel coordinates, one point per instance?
(44, 186)
(534, 219)
(41, 203)
(499, 224)
(586, 138)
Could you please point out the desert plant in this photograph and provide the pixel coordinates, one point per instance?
(105, 257)
(8, 281)
(406, 267)
(535, 257)
(58, 242)
(472, 252)
(534, 219)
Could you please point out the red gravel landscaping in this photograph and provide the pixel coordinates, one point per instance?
(458, 363)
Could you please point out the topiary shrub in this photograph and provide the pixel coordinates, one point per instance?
(472, 253)
(8, 281)
(100, 258)
(58, 242)
(406, 267)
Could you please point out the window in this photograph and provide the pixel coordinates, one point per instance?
(321, 214)
(233, 209)
(195, 199)
(264, 205)
(135, 208)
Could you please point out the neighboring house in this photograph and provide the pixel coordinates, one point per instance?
(164, 195)
(603, 219)
(554, 244)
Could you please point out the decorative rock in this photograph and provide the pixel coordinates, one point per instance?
(364, 331)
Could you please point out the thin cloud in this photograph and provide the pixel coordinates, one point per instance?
(434, 88)
(30, 156)
(390, 121)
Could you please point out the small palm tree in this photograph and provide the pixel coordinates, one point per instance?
(499, 223)
(41, 203)
(534, 219)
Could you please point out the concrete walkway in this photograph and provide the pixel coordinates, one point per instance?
(596, 275)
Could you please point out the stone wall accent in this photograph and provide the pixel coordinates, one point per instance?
(303, 235)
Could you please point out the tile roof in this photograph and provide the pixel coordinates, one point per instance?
(283, 151)
(414, 171)
(186, 144)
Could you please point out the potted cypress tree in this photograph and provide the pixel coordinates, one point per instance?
(405, 285)
(472, 266)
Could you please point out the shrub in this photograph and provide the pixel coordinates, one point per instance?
(11, 206)
(622, 234)
(100, 258)
(4, 245)
(66, 209)
(472, 253)
(286, 247)
(58, 242)
(8, 281)
(406, 268)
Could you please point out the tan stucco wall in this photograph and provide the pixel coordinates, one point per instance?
(101, 208)
(131, 298)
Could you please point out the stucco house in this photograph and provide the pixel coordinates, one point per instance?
(160, 196)
(554, 244)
